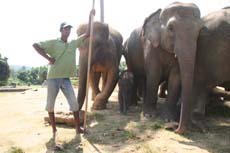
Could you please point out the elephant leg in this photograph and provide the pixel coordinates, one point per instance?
(120, 99)
(104, 79)
(198, 114)
(134, 92)
(102, 98)
(125, 106)
(140, 89)
(174, 88)
(94, 82)
(150, 100)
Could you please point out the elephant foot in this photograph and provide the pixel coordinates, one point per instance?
(172, 126)
(198, 126)
(123, 111)
(180, 130)
(149, 112)
(150, 115)
(170, 115)
(198, 122)
(100, 106)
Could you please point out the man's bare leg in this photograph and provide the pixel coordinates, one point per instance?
(77, 122)
(53, 124)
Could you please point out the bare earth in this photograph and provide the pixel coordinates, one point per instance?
(23, 126)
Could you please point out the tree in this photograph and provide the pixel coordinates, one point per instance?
(42, 73)
(4, 71)
(23, 75)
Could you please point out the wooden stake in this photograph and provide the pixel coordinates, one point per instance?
(89, 65)
(102, 10)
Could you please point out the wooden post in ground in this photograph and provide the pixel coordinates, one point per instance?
(89, 64)
(102, 10)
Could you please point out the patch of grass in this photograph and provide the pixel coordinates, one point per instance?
(72, 146)
(151, 125)
(15, 150)
(157, 125)
(96, 116)
(145, 148)
(129, 135)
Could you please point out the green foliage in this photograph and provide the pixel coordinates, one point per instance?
(130, 135)
(157, 125)
(15, 150)
(122, 65)
(4, 71)
(74, 81)
(33, 76)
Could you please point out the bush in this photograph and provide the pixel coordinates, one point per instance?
(4, 71)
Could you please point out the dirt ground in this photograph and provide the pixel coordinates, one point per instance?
(22, 126)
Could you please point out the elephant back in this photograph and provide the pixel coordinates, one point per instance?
(125, 50)
(134, 53)
(118, 40)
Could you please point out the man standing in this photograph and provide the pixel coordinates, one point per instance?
(61, 55)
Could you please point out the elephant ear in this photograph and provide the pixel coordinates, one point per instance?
(151, 28)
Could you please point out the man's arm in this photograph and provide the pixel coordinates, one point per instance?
(42, 53)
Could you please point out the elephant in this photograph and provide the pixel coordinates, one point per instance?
(125, 85)
(154, 66)
(105, 59)
(132, 51)
(202, 48)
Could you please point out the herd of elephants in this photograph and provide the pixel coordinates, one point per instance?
(175, 49)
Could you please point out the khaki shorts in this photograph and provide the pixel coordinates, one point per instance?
(53, 87)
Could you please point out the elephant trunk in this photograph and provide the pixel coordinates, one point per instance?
(186, 53)
(83, 63)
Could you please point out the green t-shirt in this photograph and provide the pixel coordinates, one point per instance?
(65, 57)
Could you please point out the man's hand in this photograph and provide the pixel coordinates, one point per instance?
(51, 61)
(92, 12)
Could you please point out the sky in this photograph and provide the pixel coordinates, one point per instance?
(24, 22)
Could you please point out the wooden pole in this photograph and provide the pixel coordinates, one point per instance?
(102, 10)
(89, 64)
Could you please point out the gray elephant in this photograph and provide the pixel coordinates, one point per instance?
(134, 57)
(202, 47)
(155, 66)
(105, 59)
(125, 85)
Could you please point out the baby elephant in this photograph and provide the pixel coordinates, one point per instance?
(125, 84)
